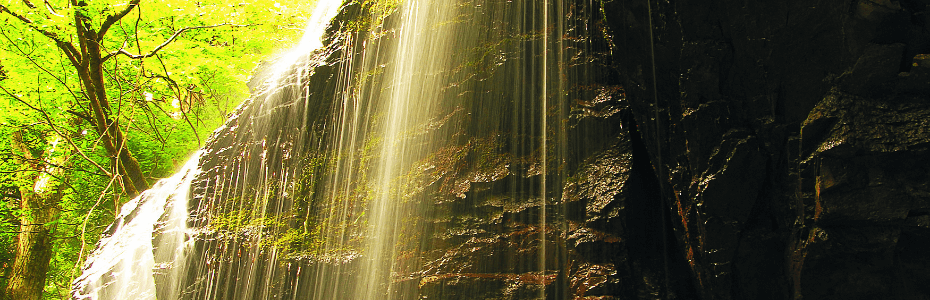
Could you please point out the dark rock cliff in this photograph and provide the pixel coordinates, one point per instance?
(790, 140)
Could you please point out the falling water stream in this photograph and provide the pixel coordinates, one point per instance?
(416, 150)
(130, 258)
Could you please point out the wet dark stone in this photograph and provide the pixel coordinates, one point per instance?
(791, 140)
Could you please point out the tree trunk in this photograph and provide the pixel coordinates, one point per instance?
(107, 126)
(90, 70)
(34, 246)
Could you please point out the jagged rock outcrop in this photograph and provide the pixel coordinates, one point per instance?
(791, 140)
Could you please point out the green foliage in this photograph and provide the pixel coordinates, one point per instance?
(167, 104)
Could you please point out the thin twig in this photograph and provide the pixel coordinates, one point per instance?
(179, 96)
(45, 162)
(116, 17)
(29, 57)
(84, 226)
(51, 9)
(164, 44)
(55, 128)
(72, 53)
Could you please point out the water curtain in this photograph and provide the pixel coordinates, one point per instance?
(419, 151)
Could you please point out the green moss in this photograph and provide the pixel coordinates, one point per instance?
(371, 20)
(296, 241)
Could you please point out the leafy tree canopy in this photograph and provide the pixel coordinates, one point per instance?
(169, 71)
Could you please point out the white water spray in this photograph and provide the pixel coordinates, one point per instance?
(322, 13)
(128, 262)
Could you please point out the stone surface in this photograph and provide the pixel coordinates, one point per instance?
(791, 140)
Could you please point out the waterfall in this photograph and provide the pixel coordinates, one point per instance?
(419, 151)
(425, 101)
(142, 254)
(146, 244)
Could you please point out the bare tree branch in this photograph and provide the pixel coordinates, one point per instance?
(51, 9)
(29, 57)
(24, 125)
(29, 4)
(150, 117)
(65, 46)
(81, 115)
(164, 44)
(55, 128)
(58, 166)
(25, 20)
(181, 99)
(113, 18)
(84, 226)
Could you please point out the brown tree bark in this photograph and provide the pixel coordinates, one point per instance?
(39, 203)
(90, 70)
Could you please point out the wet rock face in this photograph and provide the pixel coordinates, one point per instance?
(791, 141)
(870, 195)
(477, 199)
